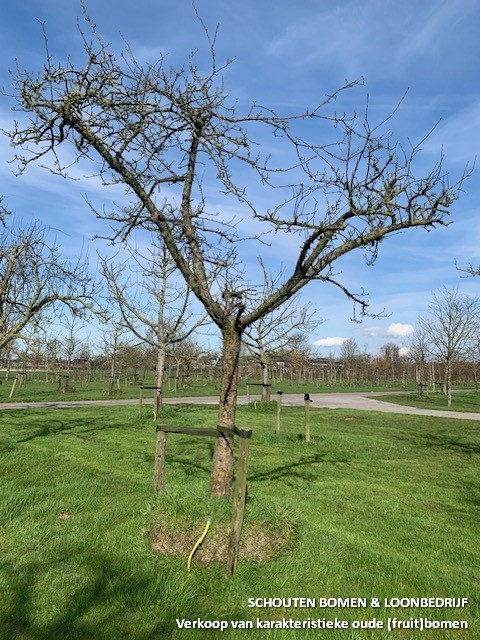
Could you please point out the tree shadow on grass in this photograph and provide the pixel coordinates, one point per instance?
(442, 440)
(201, 460)
(81, 427)
(98, 609)
(188, 465)
(52, 427)
(304, 470)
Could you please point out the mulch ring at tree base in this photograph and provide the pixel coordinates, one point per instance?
(256, 544)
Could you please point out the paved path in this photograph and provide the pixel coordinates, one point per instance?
(362, 401)
(365, 401)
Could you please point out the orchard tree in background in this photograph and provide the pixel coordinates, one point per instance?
(187, 154)
(451, 326)
(419, 352)
(72, 325)
(390, 359)
(151, 303)
(276, 333)
(34, 279)
(473, 354)
(349, 353)
(111, 344)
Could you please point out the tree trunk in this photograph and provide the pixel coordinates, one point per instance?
(158, 404)
(222, 465)
(448, 383)
(432, 376)
(265, 393)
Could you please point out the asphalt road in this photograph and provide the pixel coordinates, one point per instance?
(362, 401)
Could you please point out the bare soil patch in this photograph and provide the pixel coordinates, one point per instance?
(257, 544)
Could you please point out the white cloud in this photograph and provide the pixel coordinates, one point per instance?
(399, 330)
(369, 332)
(329, 342)
(404, 351)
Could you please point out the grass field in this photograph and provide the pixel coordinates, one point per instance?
(37, 389)
(377, 506)
(461, 401)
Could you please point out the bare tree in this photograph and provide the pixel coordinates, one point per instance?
(390, 359)
(26, 350)
(419, 352)
(162, 131)
(473, 353)
(84, 354)
(349, 353)
(181, 358)
(34, 278)
(453, 321)
(72, 324)
(299, 354)
(152, 305)
(111, 343)
(277, 332)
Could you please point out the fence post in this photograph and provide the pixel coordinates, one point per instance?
(307, 416)
(158, 479)
(140, 401)
(279, 411)
(13, 387)
(238, 506)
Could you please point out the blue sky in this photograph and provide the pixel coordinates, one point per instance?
(287, 55)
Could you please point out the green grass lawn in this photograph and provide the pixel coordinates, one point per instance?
(461, 401)
(36, 389)
(378, 505)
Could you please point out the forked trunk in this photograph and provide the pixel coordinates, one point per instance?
(222, 464)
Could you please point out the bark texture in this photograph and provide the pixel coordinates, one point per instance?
(222, 465)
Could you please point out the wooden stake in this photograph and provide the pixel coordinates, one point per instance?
(13, 387)
(238, 506)
(159, 479)
(279, 411)
(307, 417)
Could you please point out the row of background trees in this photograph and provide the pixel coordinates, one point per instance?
(114, 356)
(147, 323)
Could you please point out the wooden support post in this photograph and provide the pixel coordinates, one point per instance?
(307, 417)
(248, 394)
(158, 479)
(238, 506)
(279, 412)
(240, 483)
(13, 388)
